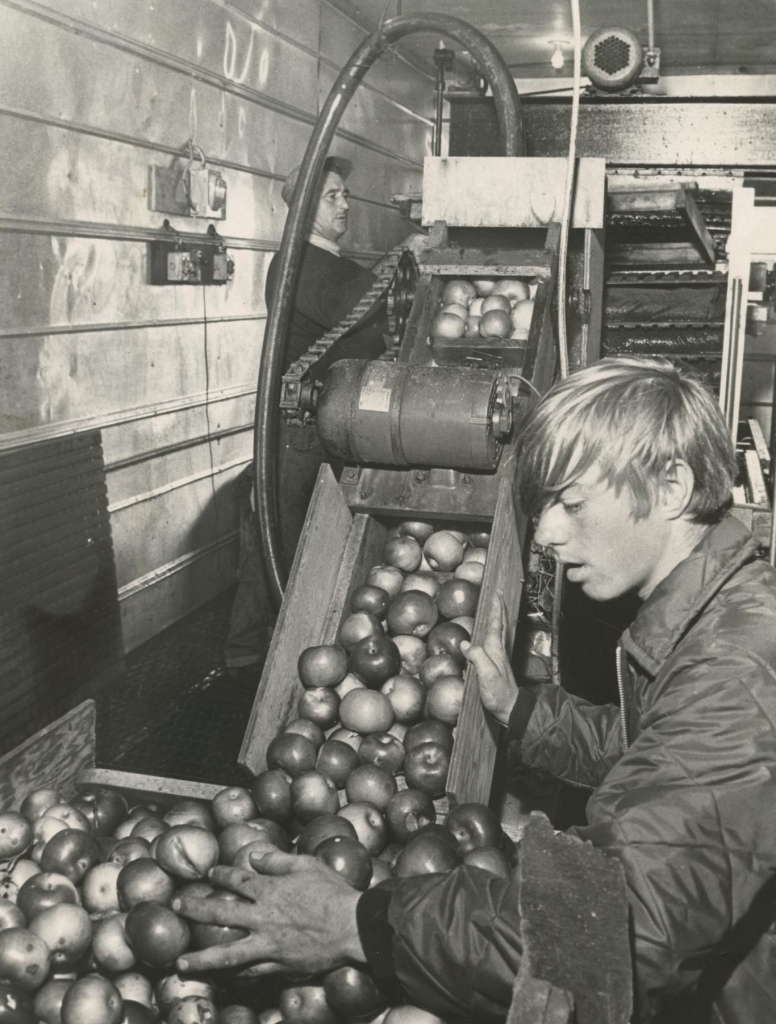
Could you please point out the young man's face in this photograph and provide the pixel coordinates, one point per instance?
(331, 215)
(592, 530)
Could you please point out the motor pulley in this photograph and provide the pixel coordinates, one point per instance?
(401, 414)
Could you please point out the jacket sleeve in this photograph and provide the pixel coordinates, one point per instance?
(565, 736)
(452, 942)
(688, 810)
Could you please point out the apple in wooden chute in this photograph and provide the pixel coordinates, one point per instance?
(447, 325)
(403, 552)
(496, 323)
(458, 290)
(522, 314)
(443, 551)
(513, 288)
(456, 309)
(500, 302)
(484, 285)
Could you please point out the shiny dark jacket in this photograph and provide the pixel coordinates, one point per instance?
(685, 798)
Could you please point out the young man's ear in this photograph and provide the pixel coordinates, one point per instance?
(678, 488)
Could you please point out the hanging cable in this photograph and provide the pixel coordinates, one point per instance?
(563, 347)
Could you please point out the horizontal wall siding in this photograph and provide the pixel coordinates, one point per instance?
(92, 95)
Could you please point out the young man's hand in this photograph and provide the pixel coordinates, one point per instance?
(498, 689)
(299, 914)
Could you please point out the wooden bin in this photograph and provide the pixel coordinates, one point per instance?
(335, 553)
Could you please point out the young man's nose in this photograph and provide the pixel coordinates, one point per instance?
(551, 530)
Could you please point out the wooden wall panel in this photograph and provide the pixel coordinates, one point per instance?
(90, 96)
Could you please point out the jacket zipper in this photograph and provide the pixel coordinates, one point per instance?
(621, 690)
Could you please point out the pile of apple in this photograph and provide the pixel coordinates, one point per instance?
(87, 931)
(485, 307)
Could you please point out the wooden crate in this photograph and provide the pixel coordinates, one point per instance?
(335, 553)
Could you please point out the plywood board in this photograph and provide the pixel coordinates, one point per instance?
(145, 787)
(476, 738)
(308, 596)
(519, 192)
(52, 757)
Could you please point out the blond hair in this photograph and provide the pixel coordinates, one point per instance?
(634, 417)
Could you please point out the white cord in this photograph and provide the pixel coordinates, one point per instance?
(563, 341)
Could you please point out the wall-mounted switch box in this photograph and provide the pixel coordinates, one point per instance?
(187, 191)
(185, 262)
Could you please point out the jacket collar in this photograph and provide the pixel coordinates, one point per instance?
(679, 599)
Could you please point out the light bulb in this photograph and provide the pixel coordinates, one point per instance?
(557, 60)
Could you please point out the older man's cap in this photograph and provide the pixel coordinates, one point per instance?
(339, 164)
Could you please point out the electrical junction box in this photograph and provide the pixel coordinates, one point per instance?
(175, 261)
(187, 191)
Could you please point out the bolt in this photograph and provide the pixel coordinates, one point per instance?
(421, 475)
(466, 480)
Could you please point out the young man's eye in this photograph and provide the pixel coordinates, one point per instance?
(573, 507)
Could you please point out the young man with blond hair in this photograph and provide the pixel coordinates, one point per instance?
(626, 469)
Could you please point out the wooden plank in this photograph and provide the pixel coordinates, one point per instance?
(363, 550)
(52, 757)
(143, 787)
(504, 262)
(510, 192)
(476, 737)
(308, 595)
(757, 521)
(539, 1002)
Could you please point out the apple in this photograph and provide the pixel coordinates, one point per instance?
(426, 767)
(72, 817)
(430, 731)
(358, 626)
(350, 682)
(412, 650)
(11, 880)
(459, 290)
(175, 986)
(473, 825)
(314, 733)
(144, 880)
(412, 613)
(271, 791)
(321, 705)
(406, 812)
(99, 889)
(157, 935)
(489, 858)
(439, 665)
(466, 621)
(407, 1014)
(444, 699)
(92, 1000)
(381, 872)
(383, 750)
(188, 851)
(139, 1013)
(149, 828)
(48, 1001)
(205, 935)
(369, 824)
(427, 854)
(375, 659)
(110, 945)
(424, 581)
(36, 803)
(10, 916)
(66, 930)
(513, 288)
(446, 638)
(42, 830)
(337, 760)
(16, 835)
(352, 993)
(407, 697)
(240, 833)
(366, 711)
(136, 988)
(404, 553)
(192, 1009)
(312, 794)
(324, 827)
(457, 597)
(25, 959)
(190, 812)
(129, 849)
(387, 577)
(234, 803)
(370, 784)
(306, 1004)
(271, 1016)
(471, 571)
(291, 753)
(70, 853)
(416, 528)
(371, 599)
(43, 890)
(104, 809)
(348, 857)
(443, 551)
(349, 736)
(323, 665)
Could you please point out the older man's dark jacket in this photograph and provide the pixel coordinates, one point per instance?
(686, 801)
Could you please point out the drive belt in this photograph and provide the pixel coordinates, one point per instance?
(294, 377)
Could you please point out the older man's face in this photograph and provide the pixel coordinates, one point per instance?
(331, 215)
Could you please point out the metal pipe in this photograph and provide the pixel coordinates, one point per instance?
(731, 376)
(270, 371)
(772, 547)
(440, 103)
(651, 24)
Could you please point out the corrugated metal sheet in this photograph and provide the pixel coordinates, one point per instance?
(60, 628)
